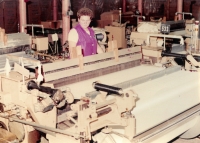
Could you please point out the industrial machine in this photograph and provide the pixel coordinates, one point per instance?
(101, 37)
(179, 37)
(26, 103)
(105, 98)
(79, 100)
(15, 42)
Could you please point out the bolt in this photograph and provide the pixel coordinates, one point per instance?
(127, 95)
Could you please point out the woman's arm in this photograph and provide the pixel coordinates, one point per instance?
(72, 41)
(72, 38)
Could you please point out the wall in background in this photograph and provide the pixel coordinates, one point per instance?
(42, 10)
(9, 15)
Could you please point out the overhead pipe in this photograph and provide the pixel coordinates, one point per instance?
(180, 9)
(22, 15)
(140, 6)
(124, 6)
(55, 10)
(66, 5)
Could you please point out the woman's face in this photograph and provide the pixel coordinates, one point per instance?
(84, 21)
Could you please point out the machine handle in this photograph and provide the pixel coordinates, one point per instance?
(108, 88)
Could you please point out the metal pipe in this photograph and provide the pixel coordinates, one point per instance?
(55, 10)
(140, 6)
(22, 15)
(196, 32)
(34, 25)
(107, 88)
(120, 15)
(124, 6)
(46, 131)
(180, 9)
(65, 20)
(41, 126)
(104, 111)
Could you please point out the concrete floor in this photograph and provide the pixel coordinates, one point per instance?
(195, 140)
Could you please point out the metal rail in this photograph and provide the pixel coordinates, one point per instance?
(38, 126)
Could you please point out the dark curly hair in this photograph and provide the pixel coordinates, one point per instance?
(85, 11)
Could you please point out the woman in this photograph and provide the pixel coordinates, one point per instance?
(82, 35)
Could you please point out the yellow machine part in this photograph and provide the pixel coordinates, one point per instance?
(6, 136)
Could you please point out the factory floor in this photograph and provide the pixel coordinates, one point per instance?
(178, 140)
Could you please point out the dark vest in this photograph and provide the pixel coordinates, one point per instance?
(87, 42)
